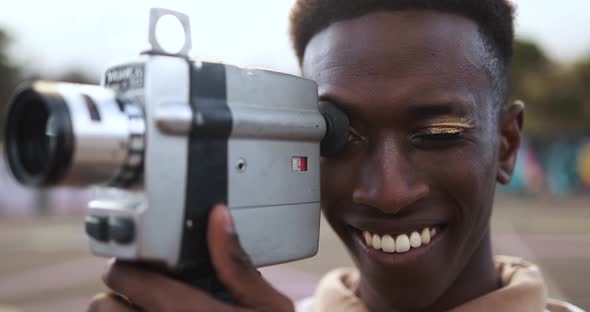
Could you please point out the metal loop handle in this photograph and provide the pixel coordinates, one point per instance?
(155, 15)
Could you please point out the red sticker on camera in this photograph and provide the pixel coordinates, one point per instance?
(299, 163)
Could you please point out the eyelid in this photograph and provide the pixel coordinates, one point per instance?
(449, 126)
(459, 123)
(442, 130)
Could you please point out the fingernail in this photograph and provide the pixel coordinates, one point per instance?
(228, 220)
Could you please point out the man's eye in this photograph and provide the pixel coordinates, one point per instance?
(352, 138)
(444, 136)
(355, 137)
(438, 136)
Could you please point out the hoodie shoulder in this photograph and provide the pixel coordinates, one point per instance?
(554, 305)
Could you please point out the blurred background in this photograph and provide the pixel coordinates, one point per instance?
(543, 215)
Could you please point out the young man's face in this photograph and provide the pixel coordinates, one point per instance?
(415, 87)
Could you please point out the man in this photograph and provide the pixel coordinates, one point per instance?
(425, 83)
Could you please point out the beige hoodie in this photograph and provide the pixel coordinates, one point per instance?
(523, 290)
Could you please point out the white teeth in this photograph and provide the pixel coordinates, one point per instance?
(402, 243)
(376, 241)
(368, 238)
(388, 243)
(415, 240)
(425, 236)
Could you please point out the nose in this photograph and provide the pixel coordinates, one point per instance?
(388, 180)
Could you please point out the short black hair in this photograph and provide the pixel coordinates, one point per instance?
(493, 17)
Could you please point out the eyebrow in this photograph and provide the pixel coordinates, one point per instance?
(427, 111)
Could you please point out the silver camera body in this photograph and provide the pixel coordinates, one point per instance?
(214, 133)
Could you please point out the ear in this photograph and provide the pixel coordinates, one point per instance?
(511, 122)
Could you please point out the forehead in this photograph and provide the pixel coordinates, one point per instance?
(385, 57)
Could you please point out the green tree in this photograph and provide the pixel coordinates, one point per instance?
(557, 96)
(9, 76)
(581, 72)
(528, 57)
(76, 76)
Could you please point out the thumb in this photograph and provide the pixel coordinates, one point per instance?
(234, 268)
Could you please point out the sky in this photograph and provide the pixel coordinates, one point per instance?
(60, 35)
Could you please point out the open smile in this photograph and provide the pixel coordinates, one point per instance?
(401, 247)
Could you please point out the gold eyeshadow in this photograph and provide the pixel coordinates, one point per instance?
(448, 126)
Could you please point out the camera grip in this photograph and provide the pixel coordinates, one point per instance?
(206, 282)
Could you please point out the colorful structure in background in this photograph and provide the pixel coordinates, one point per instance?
(528, 175)
(552, 167)
(584, 164)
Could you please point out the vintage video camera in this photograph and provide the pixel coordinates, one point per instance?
(166, 137)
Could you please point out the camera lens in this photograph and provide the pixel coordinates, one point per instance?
(74, 135)
(39, 138)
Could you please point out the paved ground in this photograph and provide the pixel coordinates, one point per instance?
(45, 265)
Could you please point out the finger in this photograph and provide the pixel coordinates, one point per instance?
(234, 268)
(110, 303)
(153, 291)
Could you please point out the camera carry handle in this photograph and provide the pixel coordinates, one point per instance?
(155, 47)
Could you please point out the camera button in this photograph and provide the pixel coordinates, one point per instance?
(97, 228)
(122, 230)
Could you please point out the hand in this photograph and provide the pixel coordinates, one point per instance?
(149, 291)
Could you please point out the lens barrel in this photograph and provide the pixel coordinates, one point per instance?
(70, 134)
(39, 138)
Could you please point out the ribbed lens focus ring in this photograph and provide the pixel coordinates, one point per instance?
(132, 168)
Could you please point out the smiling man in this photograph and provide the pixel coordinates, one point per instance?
(425, 83)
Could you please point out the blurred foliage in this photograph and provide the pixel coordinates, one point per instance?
(9, 76)
(557, 96)
(76, 76)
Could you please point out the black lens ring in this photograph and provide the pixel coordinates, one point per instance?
(58, 160)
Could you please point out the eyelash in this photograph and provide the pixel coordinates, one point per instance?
(445, 136)
(430, 136)
(426, 136)
(354, 135)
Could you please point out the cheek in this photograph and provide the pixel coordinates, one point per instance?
(467, 176)
(337, 183)
(337, 178)
(465, 180)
